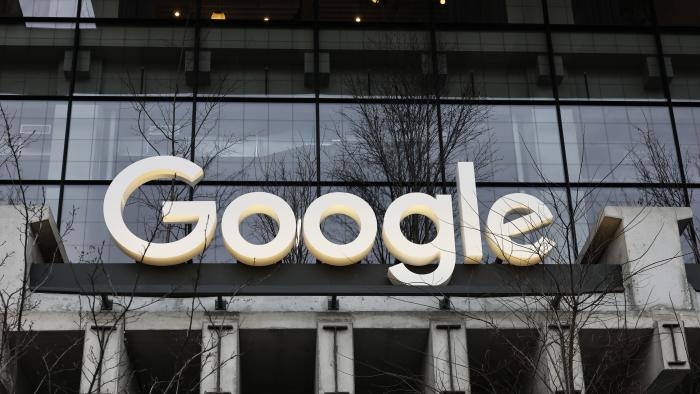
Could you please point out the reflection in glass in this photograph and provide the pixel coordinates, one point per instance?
(364, 62)
(37, 130)
(682, 53)
(136, 60)
(688, 127)
(599, 12)
(489, 11)
(252, 141)
(33, 195)
(247, 61)
(172, 9)
(603, 143)
(34, 60)
(108, 136)
(369, 11)
(609, 66)
(519, 143)
(494, 64)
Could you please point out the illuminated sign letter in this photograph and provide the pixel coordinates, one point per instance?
(469, 213)
(201, 212)
(339, 204)
(439, 210)
(252, 204)
(499, 233)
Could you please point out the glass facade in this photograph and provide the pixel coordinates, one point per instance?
(564, 99)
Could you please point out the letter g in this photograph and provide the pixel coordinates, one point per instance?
(201, 212)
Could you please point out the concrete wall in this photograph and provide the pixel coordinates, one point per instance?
(657, 304)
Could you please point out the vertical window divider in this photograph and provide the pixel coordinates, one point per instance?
(317, 94)
(436, 92)
(69, 113)
(560, 127)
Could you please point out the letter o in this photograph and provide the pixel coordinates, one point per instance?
(339, 204)
(252, 204)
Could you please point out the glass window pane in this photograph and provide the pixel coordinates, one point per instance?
(369, 62)
(514, 143)
(603, 143)
(37, 129)
(108, 136)
(607, 65)
(35, 60)
(47, 8)
(599, 12)
(136, 60)
(494, 64)
(507, 143)
(688, 127)
(37, 196)
(256, 141)
(352, 11)
(258, 10)
(134, 9)
(248, 61)
(683, 65)
(489, 11)
(677, 12)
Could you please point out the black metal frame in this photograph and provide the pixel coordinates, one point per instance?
(215, 280)
(316, 25)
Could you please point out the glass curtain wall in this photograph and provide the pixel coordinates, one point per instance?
(558, 98)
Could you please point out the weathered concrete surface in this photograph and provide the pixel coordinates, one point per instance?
(335, 367)
(645, 240)
(220, 354)
(447, 359)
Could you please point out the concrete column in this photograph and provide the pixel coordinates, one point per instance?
(552, 374)
(221, 372)
(105, 367)
(665, 362)
(646, 242)
(335, 359)
(447, 361)
(8, 373)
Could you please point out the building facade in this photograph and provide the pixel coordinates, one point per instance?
(582, 104)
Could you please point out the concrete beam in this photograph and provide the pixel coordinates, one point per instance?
(335, 359)
(221, 371)
(447, 361)
(646, 242)
(665, 362)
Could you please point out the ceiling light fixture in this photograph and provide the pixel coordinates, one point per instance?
(266, 19)
(375, 2)
(443, 2)
(358, 19)
(176, 13)
(218, 15)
